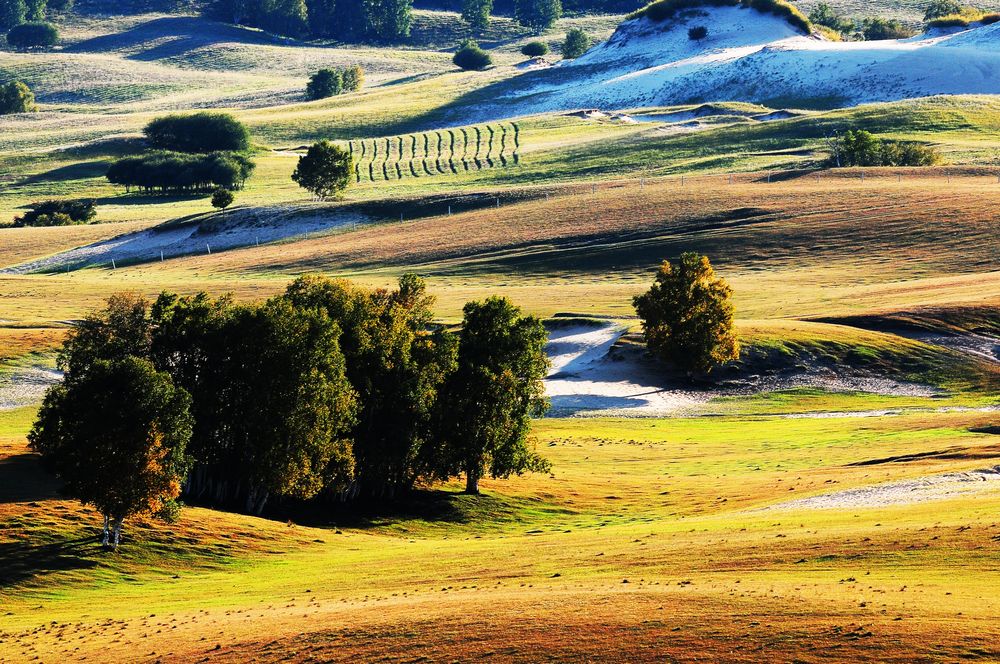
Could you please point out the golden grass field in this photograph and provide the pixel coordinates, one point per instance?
(653, 539)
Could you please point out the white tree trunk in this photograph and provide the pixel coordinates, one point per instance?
(118, 532)
(107, 530)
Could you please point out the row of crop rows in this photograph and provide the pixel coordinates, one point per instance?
(445, 152)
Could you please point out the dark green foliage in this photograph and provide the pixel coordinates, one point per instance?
(697, 33)
(35, 10)
(687, 315)
(989, 19)
(387, 20)
(950, 22)
(538, 15)
(576, 43)
(875, 29)
(116, 436)
(477, 14)
(198, 132)
(12, 12)
(942, 8)
(175, 172)
(496, 389)
(470, 57)
(58, 213)
(325, 83)
(16, 97)
(535, 49)
(222, 198)
(323, 17)
(33, 35)
(662, 10)
(396, 365)
(59, 5)
(862, 148)
(825, 15)
(325, 170)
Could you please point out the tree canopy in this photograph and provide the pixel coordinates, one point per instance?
(538, 15)
(33, 35)
(687, 315)
(16, 97)
(325, 170)
(576, 43)
(202, 132)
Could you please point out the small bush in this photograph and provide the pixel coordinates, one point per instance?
(33, 35)
(942, 8)
(535, 49)
(697, 33)
(878, 29)
(222, 198)
(324, 83)
(661, 10)
(16, 97)
(470, 57)
(58, 213)
(576, 43)
(353, 78)
(862, 148)
(199, 132)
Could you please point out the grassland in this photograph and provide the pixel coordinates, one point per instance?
(652, 538)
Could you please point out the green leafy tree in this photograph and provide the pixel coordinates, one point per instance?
(388, 20)
(477, 14)
(35, 10)
(535, 49)
(325, 170)
(687, 315)
(325, 83)
(12, 12)
(576, 43)
(119, 330)
(353, 78)
(202, 132)
(538, 15)
(16, 97)
(222, 198)
(116, 436)
(494, 392)
(824, 14)
(396, 364)
(470, 57)
(876, 29)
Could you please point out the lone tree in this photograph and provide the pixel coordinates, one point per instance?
(116, 435)
(33, 35)
(576, 43)
(538, 15)
(477, 14)
(222, 198)
(687, 315)
(325, 170)
(16, 97)
(470, 57)
(494, 392)
(534, 49)
(325, 83)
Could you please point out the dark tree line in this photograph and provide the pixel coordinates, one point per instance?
(376, 20)
(165, 172)
(327, 392)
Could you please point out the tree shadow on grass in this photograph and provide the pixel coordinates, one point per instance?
(22, 561)
(23, 480)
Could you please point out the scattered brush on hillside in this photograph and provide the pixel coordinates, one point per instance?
(662, 10)
(963, 20)
(443, 152)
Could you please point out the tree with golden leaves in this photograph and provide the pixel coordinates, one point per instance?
(116, 435)
(687, 315)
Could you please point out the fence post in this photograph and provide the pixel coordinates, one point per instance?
(208, 248)
(769, 177)
(113, 266)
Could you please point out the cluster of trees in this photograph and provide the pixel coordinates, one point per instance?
(199, 152)
(33, 35)
(164, 172)
(839, 26)
(331, 82)
(16, 97)
(378, 20)
(327, 392)
(688, 315)
(857, 147)
(952, 14)
(58, 213)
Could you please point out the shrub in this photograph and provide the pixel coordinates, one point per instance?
(16, 97)
(576, 43)
(876, 29)
(222, 198)
(537, 14)
(353, 78)
(535, 49)
(697, 33)
(661, 10)
(826, 16)
(687, 315)
(470, 57)
(199, 132)
(941, 8)
(325, 83)
(862, 148)
(325, 170)
(174, 172)
(477, 14)
(949, 22)
(58, 213)
(33, 35)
